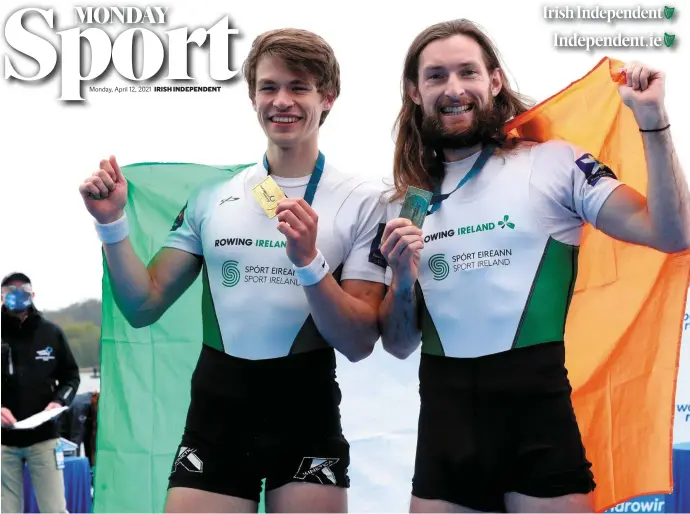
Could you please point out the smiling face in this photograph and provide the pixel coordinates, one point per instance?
(456, 93)
(289, 106)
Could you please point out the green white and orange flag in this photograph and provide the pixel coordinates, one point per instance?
(623, 332)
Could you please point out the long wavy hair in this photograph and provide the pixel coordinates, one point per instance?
(420, 166)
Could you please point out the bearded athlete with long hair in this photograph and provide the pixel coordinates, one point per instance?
(487, 284)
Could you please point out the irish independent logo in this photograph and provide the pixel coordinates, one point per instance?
(316, 468)
(231, 273)
(438, 266)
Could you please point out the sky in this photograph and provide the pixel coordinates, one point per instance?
(48, 147)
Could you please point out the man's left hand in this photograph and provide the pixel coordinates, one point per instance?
(298, 222)
(643, 92)
(53, 405)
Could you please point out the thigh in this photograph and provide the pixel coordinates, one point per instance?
(307, 497)
(12, 479)
(302, 441)
(222, 468)
(449, 472)
(549, 459)
(319, 460)
(421, 505)
(184, 499)
(47, 479)
(452, 468)
(517, 502)
(216, 453)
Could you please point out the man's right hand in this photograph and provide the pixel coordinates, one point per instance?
(8, 419)
(401, 245)
(105, 192)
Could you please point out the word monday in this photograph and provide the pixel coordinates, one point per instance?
(119, 53)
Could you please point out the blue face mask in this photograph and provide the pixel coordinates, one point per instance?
(18, 300)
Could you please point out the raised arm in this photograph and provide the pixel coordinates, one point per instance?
(143, 293)
(662, 220)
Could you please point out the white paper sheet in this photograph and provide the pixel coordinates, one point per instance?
(38, 419)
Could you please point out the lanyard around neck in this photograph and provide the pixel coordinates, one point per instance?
(313, 180)
(438, 198)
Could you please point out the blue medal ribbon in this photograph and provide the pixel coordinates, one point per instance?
(438, 198)
(313, 180)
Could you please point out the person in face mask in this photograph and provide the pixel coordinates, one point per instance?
(38, 373)
(18, 299)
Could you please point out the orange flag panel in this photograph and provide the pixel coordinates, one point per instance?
(624, 328)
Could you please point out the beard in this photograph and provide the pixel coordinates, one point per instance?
(486, 125)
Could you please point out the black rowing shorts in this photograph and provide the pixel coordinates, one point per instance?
(498, 424)
(276, 419)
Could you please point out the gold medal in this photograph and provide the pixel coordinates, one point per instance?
(268, 194)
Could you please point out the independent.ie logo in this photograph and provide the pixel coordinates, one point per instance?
(592, 42)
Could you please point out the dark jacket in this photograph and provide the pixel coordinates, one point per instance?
(37, 368)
